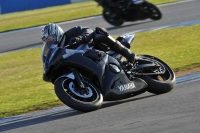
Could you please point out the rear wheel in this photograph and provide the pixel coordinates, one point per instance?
(159, 84)
(112, 18)
(85, 100)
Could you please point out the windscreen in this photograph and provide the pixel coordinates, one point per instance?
(45, 50)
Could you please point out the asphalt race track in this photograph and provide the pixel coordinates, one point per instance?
(174, 112)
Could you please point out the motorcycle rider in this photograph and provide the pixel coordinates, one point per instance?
(72, 38)
(111, 3)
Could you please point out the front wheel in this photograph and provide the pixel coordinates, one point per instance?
(159, 84)
(153, 12)
(85, 100)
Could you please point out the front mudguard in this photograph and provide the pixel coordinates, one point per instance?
(45, 78)
(68, 75)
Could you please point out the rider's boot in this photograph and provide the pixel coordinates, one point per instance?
(124, 51)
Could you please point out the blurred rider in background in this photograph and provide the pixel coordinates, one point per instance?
(111, 3)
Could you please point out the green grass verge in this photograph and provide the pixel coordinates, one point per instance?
(22, 89)
(179, 47)
(18, 20)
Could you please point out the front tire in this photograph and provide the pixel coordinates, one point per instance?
(159, 84)
(153, 12)
(89, 100)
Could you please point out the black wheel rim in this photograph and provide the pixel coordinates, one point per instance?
(114, 20)
(163, 69)
(154, 13)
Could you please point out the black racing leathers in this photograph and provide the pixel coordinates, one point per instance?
(77, 31)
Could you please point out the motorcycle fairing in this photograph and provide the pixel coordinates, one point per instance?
(50, 60)
(117, 93)
(116, 85)
(107, 69)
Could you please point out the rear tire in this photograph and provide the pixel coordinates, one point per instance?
(116, 21)
(159, 84)
(87, 101)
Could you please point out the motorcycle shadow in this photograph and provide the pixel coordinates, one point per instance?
(24, 122)
(63, 114)
(131, 99)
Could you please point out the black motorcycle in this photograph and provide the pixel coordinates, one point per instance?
(116, 13)
(85, 77)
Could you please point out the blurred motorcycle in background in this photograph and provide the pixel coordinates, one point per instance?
(116, 12)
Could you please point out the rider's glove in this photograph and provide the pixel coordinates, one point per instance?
(76, 41)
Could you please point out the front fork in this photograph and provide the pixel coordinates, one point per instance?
(79, 85)
(78, 79)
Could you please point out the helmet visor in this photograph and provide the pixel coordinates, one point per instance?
(48, 39)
